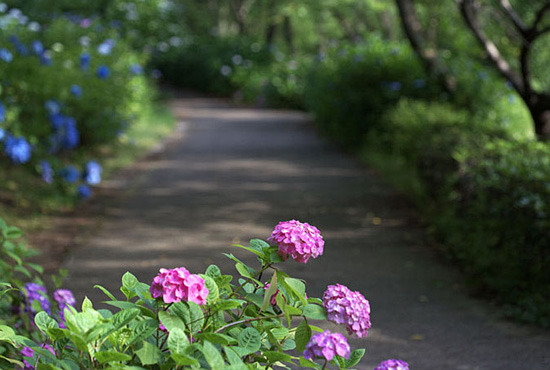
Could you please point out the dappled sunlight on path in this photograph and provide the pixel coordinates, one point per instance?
(237, 172)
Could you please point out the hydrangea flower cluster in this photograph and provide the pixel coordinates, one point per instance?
(392, 365)
(346, 307)
(175, 285)
(17, 149)
(327, 345)
(299, 240)
(36, 292)
(64, 298)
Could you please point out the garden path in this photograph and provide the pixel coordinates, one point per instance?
(230, 174)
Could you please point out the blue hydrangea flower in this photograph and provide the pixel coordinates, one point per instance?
(57, 120)
(5, 55)
(46, 171)
(136, 69)
(69, 174)
(92, 173)
(36, 292)
(106, 47)
(52, 106)
(85, 59)
(71, 138)
(2, 112)
(2, 134)
(103, 72)
(19, 46)
(84, 191)
(37, 47)
(46, 58)
(419, 83)
(17, 149)
(76, 90)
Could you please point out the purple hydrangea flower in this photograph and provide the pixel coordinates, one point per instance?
(46, 171)
(17, 149)
(29, 353)
(392, 365)
(92, 173)
(84, 191)
(36, 292)
(327, 345)
(64, 298)
(349, 308)
(103, 72)
(85, 59)
(6, 55)
(299, 240)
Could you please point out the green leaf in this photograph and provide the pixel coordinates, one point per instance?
(227, 304)
(196, 316)
(110, 356)
(87, 305)
(269, 292)
(123, 318)
(298, 288)
(213, 291)
(15, 362)
(47, 367)
(315, 312)
(257, 299)
(149, 354)
(217, 338)
(274, 356)
(250, 340)
(355, 356)
(171, 321)
(289, 345)
(177, 341)
(56, 333)
(143, 330)
(233, 357)
(280, 332)
(302, 336)
(44, 322)
(183, 360)
(255, 251)
(259, 244)
(129, 281)
(107, 293)
(308, 363)
(212, 356)
(12, 232)
(243, 270)
(213, 271)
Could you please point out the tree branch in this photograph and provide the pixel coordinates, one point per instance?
(514, 17)
(540, 15)
(468, 13)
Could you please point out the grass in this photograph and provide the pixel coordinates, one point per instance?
(25, 199)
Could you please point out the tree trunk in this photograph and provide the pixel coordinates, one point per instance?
(288, 34)
(539, 107)
(271, 24)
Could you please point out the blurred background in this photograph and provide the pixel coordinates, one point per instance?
(449, 99)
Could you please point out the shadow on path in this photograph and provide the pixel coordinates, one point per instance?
(234, 173)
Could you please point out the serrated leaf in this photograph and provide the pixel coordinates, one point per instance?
(355, 356)
(149, 354)
(315, 312)
(250, 340)
(44, 322)
(212, 356)
(171, 321)
(269, 292)
(213, 271)
(213, 291)
(177, 341)
(110, 356)
(129, 281)
(259, 244)
(227, 304)
(302, 336)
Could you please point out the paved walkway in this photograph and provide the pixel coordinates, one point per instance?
(231, 174)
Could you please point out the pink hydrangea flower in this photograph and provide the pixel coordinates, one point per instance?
(299, 240)
(392, 365)
(327, 345)
(349, 308)
(175, 285)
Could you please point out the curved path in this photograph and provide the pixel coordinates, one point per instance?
(230, 174)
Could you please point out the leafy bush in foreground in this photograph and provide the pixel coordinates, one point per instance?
(182, 320)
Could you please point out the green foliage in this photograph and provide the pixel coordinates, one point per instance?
(484, 194)
(239, 327)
